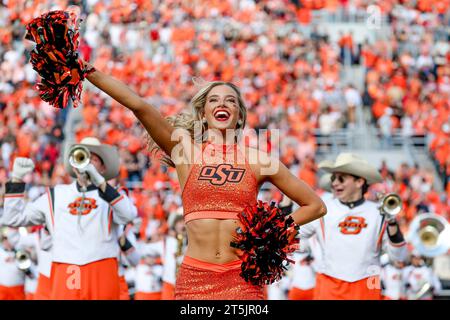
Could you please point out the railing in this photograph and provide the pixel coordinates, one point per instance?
(342, 15)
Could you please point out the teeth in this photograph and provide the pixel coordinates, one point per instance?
(221, 113)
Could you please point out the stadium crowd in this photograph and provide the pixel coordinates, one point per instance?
(290, 81)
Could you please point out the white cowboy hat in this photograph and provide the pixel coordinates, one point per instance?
(352, 164)
(108, 154)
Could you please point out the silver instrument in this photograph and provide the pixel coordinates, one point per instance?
(23, 260)
(391, 204)
(429, 233)
(79, 156)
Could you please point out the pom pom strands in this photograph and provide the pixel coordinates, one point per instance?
(264, 240)
(55, 57)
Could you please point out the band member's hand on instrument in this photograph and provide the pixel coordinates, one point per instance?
(96, 178)
(21, 167)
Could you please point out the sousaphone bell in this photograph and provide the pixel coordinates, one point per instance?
(429, 233)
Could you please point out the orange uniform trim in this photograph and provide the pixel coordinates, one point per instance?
(14, 195)
(380, 237)
(110, 219)
(211, 215)
(322, 227)
(398, 245)
(212, 266)
(50, 206)
(116, 200)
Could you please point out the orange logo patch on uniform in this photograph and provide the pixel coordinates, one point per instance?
(396, 277)
(86, 207)
(220, 174)
(352, 225)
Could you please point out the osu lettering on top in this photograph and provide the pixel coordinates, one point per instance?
(219, 175)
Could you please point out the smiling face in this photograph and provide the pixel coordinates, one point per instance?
(346, 187)
(221, 109)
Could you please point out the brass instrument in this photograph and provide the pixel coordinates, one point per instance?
(23, 260)
(179, 252)
(391, 204)
(429, 233)
(79, 156)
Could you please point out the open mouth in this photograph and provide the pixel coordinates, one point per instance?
(221, 115)
(338, 190)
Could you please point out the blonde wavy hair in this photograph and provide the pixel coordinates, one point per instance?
(187, 120)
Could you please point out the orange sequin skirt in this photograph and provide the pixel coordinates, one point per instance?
(200, 280)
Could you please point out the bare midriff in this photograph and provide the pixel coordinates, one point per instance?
(209, 240)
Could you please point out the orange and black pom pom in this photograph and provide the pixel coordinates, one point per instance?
(55, 58)
(264, 240)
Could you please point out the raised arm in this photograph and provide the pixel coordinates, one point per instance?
(311, 206)
(150, 117)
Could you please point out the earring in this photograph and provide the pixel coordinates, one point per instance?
(240, 122)
(204, 120)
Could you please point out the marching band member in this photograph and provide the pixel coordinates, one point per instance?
(303, 277)
(175, 245)
(420, 281)
(129, 257)
(353, 233)
(148, 282)
(392, 282)
(12, 279)
(31, 282)
(82, 218)
(27, 261)
(44, 285)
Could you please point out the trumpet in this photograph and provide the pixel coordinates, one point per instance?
(79, 156)
(23, 260)
(429, 233)
(391, 204)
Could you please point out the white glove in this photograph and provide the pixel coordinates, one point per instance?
(96, 178)
(137, 223)
(22, 167)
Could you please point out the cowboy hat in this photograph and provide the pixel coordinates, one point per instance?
(108, 154)
(352, 164)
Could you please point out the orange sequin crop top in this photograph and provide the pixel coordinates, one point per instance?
(220, 184)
